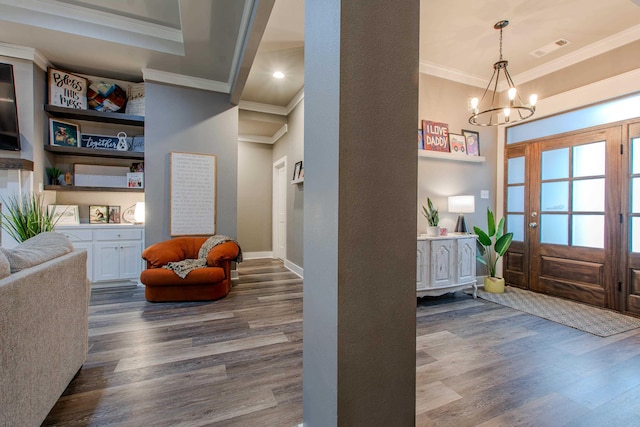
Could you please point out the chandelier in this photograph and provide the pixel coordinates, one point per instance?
(493, 113)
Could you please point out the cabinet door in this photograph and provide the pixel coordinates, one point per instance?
(466, 271)
(421, 280)
(88, 246)
(130, 255)
(106, 261)
(442, 265)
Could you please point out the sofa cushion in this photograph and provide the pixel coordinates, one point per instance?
(5, 268)
(199, 276)
(36, 250)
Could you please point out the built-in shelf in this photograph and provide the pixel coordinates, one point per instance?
(7, 163)
(450, 156)
(298, 181)
(93, 152)
(101, 189)
(95, 116)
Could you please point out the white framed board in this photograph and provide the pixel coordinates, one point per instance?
(193, 194)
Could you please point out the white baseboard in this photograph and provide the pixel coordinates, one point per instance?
(294, 268)
(234, 274)
(257, 255)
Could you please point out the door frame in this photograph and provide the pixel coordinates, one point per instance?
(277, 187)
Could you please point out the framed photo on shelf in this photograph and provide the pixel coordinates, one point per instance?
(67, 89)
(63, 134)
(296, 170)
(435, 136)
(98, 214)
(472, 140)
(114, 215)
(457, 143)
(135, 180)
(64, 214)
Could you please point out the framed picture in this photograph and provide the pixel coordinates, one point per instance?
(296, 170)
(472, 139)
(457, 143)
(114, 214)
(64, 214)
(435, 136)
(420, 141)
(67, 90)
(98, 214)
(63, 134)
(135, 179)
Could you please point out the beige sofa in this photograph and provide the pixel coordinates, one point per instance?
(43, 326)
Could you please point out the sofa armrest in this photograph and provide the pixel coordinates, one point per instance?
(172, 250)
(222, 253)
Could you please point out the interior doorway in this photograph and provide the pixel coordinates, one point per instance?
(279, 216)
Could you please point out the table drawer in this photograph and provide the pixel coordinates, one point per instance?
(118, 234)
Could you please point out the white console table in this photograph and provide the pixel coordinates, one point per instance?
(446, 264)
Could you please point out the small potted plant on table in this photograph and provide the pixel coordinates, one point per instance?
(492, 244)
(431, 213)
(53, 173)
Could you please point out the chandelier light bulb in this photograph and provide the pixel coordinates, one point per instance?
(507, 113)
(533, 100)
(512, 93)
(474, 103)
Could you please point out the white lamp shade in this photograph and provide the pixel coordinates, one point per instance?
(462, 204)
(138, 214)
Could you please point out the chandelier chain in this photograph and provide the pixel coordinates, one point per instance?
(500, 44)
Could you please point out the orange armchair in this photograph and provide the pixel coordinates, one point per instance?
(202, 284)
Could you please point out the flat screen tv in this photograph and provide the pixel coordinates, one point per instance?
(9, 130)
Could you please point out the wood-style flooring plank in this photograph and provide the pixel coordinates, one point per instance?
(237, 361)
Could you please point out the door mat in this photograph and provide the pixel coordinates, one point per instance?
(589, 319)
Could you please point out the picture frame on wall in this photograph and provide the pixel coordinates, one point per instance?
(63, 134)
(457, 143)
(98, 214)
(296, 170)
(114, 215)
(472, 141)
(67, 89)
(64, 214)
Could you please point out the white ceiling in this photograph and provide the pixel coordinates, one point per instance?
(199, 42)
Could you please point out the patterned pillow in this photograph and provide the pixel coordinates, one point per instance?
(36, 250)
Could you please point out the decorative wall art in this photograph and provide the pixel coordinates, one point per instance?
(64, 214)
(114, 215)
(457, 143)
(435, 136)
(98, 214)
(472, 140)
(67, 90)
(63, 134)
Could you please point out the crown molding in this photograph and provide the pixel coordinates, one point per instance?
(158, 76)
(602, 46)
(298, 97)
(263, 108)
(22, 52)
(265, 139)
(83, 21)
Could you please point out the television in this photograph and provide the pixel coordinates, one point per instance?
(9, 130)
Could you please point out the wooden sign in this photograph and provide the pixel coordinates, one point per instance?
(67, 90)
(435, 136)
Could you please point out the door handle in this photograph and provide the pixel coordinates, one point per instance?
(533, 224)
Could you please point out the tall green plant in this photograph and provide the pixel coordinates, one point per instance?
(26, 216)
(431, 213)
(492, 244)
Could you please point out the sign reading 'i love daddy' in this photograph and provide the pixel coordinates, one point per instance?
(435, 136)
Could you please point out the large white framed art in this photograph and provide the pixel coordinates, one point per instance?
(64, 214)
(193, 194)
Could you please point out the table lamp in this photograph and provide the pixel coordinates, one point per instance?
(139, 213)
(461, 205)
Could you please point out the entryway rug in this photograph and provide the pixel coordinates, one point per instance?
(589, 319)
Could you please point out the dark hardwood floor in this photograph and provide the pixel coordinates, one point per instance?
(238, 362)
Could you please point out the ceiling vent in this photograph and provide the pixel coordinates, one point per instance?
(547, 49)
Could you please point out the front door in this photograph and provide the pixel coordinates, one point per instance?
(631, 245)
(563, 205)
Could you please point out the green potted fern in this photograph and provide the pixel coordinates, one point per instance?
(492, 244)
(26, 216)
(431, 214)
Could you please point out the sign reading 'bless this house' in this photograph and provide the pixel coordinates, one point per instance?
(435, 136)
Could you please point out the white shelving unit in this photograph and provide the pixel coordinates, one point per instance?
(450, 156)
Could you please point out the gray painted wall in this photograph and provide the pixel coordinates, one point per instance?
(254, 196)
(191, 121)
(445, 101)
(292, 146)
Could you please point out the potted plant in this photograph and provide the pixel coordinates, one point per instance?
(491, 246)
(431, 213)
(26, 216)
(53, 173)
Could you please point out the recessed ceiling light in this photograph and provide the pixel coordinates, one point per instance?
(278, 75)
